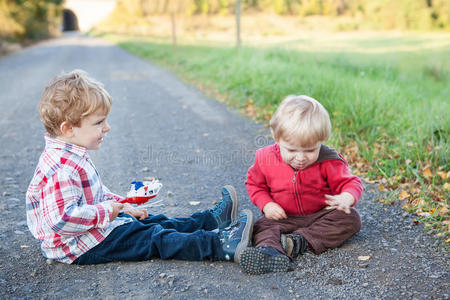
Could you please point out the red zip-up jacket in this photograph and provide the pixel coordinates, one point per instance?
(299, 192)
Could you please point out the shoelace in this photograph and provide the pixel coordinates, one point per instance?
(219, 207)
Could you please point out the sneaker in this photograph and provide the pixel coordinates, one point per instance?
(237, 236)
(263, 260)
(293, 244)
(225, 211)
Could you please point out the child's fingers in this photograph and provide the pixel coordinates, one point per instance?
(331, 203)
(344, 209)
(281, 213)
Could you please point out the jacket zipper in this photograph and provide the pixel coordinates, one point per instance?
(298, 200)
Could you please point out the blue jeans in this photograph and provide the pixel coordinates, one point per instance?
(159, 236)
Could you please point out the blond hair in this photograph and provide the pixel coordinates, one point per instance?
(301, 121)
(71, 97)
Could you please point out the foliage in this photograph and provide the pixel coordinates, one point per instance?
(20, 19)
(389, 108)
(380, 14)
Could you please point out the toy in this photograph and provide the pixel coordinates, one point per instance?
(142, 191)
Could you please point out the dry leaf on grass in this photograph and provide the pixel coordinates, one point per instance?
(403, 195)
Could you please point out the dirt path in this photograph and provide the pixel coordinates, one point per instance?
(162, 127)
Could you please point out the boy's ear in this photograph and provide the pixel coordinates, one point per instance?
(66, 129)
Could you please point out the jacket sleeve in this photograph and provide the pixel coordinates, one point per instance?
(257, 187)
(340, 179)
(64, 210)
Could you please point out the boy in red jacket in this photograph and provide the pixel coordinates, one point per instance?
(303, 188)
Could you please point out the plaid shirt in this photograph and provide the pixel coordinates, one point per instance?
(68, 207)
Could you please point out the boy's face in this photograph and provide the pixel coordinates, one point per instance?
(298, 157)
(91, 132)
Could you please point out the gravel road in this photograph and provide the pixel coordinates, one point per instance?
(165, 128)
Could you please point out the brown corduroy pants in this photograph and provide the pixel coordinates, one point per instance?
(323, 230)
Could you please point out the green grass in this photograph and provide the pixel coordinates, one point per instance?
(390, 96)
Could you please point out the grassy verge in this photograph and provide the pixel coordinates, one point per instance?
(388, 99)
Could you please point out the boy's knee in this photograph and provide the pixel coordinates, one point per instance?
(354, 220)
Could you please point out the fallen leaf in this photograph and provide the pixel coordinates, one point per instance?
(427, 173)
(381, 187)
(403, 195)
(194, 203)
(364, 258)
(423, 214)
(443, 175)
(446, 186)
(447, 240)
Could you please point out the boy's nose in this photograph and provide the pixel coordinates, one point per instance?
(299, 156)
(106, 128)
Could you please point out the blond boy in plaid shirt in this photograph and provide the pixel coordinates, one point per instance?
(78, 220)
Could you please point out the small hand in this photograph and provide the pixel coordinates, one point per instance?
(274, 211)
(342, 202)
(117, 207)
(138, 213)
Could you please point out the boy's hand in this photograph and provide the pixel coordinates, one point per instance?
(138, 213)
(117, 207)
(342, 201)
(274, 211)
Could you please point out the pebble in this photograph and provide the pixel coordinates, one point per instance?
(364, 266)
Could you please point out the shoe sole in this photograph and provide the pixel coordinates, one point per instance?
(233, 196)
(246, 235)
(287, 245)
(255, 262)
